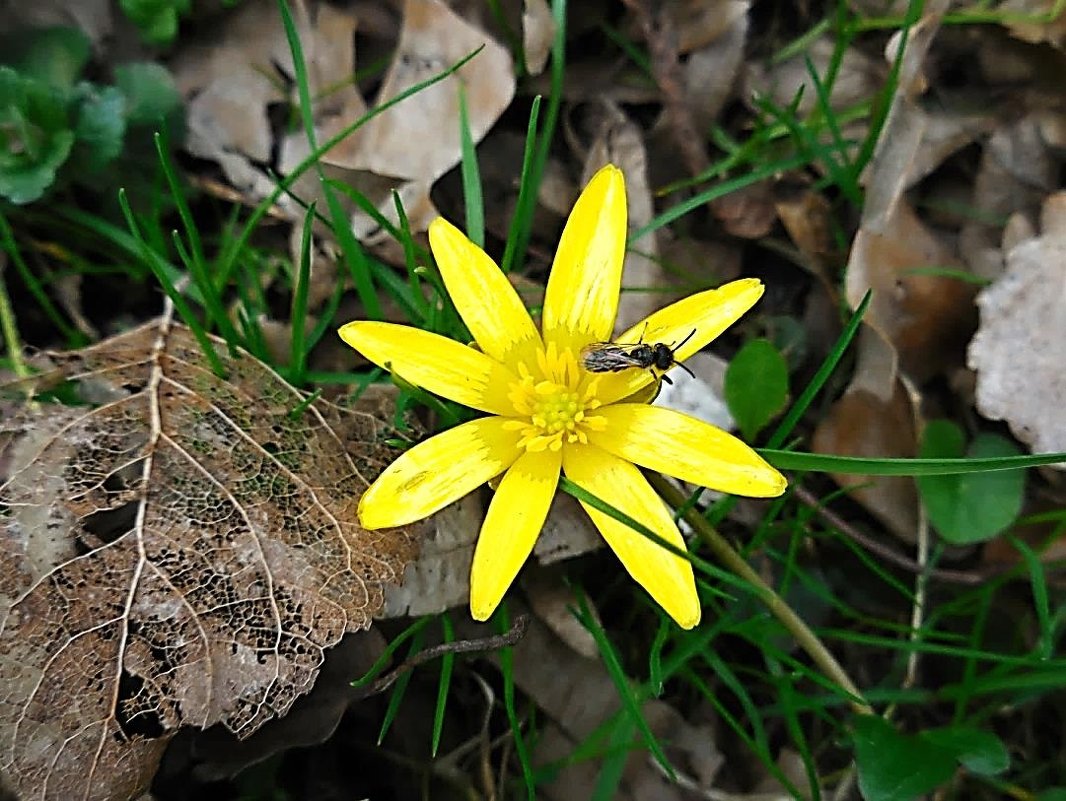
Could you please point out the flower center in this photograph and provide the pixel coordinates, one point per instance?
(552, 401)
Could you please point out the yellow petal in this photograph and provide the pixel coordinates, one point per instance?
(514, 521)
(581, 299)
(666, 577)
(686, 326)
(438, 364)
(484, 298)
(438, 471)
(684, 447)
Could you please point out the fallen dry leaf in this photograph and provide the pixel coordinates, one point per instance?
(875, 418)
(927, 317)
(538, 32)
(179, 550)
(231, 76)
(1017, 349)
(619, 141)
(419, 139)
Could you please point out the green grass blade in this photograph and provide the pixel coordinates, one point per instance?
(298, 315)
(527, 195)
(506, 655)
(472, 194)
(400, 688)
(629, 699)
(447, 664)
(791, 460)
(10, 246)
(172, 290)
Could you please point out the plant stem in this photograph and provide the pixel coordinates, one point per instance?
(805, 638)
(10, 330)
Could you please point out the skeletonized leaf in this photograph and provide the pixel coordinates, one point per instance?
(177, 551)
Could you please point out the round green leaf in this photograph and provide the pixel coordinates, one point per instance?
(978, 751)
(100, 128)
(894, 766)
(152, 98)
(756, 386)
(35, 136)
(55, 56)
(969, 507)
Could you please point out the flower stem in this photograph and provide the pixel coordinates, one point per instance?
(10, 330)
(805, 638)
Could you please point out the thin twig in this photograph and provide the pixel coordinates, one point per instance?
(969, 577)
(805, 638)
(492, 643)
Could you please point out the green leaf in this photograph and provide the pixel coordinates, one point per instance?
(973, 507)
(100, 127)
(1052, 794)
(35, 136)
(978, 751)
(894, 766)
(156, 19)
(756, 386)
(55, 56)
(152, 97)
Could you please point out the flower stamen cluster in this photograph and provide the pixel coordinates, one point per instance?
(551, 408)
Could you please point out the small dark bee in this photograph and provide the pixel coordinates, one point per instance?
(611, 357)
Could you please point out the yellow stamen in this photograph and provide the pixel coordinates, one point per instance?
(554, 403)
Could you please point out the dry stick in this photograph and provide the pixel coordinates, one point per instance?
(969, 577)
(805, 638)
(496, 641)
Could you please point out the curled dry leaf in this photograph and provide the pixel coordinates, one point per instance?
(1017, 351)
(619, 141)
(538, 32)
(875, 418)
(178, 551)
(395, 143)
(231, 76)
(927, 317)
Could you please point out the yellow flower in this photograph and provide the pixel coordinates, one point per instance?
(547, 414)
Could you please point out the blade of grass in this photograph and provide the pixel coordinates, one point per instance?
(227, 261)
(472, 195)
(523, 216)
(622, 684)
(9, 328)
(397, 694)
(353, 251)
(527, 196)
(10, 246)
(447, 663)
(502, 619)
(193, 257)
(298, 353)
(791, 460)
(172, 290)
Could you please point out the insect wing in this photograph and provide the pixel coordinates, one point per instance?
(604, 357)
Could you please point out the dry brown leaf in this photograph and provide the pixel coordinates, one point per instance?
(717, 55)
(1017, 171)
(928, 318)
(179, 552)
(875, 418)
(577, 696)
(1035, 29)
(231, 77)
(619, 141)
(1017, 351)
(538, 32)
(419, 139)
